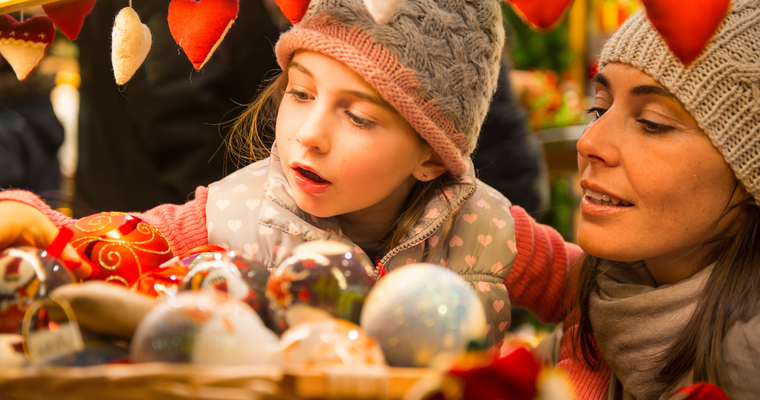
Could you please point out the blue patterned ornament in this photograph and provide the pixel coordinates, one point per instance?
(423, 315)
(320, 277)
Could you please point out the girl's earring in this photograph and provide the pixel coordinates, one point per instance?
(424, 175)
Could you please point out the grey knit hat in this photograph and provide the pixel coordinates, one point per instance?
(435, 61)
(721, 87)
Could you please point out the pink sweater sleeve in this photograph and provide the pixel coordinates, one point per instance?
(540, 279)
(183, 226)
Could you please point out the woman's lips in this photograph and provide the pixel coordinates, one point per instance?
(310, 181)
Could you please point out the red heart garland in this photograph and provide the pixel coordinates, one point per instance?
(69, 15)
(543, 14)
(686, 25)
(199, 26)
(294, 10)
(23, 44)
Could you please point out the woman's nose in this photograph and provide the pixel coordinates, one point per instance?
(598, 144)
(314, 133)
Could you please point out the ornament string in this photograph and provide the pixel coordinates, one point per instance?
(29, 317)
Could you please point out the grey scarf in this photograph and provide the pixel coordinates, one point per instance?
(634, 322)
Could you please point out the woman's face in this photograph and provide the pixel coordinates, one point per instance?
(654, 185)
(344, 150)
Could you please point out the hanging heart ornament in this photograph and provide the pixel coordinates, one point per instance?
(23, 44)
(293, 10)
(200, 26)
(131, 41)
(686, 25)
(68, 15)
(540, 14)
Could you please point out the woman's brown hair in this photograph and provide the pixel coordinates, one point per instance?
(731, 294)
(255, 127)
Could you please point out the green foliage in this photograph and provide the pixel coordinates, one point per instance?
(533, 49)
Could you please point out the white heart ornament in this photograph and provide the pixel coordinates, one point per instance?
(130, 44)
(382, 10)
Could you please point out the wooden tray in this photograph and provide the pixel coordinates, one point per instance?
(176, 381)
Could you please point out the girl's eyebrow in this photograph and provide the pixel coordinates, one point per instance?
(362, 95)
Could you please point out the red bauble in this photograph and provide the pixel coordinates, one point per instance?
(120, 247)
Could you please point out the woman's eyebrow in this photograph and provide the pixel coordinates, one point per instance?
(645, 90)
(601, 79)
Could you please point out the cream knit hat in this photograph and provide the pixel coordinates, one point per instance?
(721, 88)
(435, 61)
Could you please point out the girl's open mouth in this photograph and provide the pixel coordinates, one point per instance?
(311, 175)
(310, 181)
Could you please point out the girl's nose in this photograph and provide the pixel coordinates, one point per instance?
(598, 144)
(314, 133)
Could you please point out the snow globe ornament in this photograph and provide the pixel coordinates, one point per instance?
(26, 275)
(120, 247)
(203, 327)
(241, 277)
(332, 342)
(322, 276)
(423, 315)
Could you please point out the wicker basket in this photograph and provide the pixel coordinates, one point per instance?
(173, 381)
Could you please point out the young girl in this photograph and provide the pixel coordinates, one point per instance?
(669, 291)
(375, 123)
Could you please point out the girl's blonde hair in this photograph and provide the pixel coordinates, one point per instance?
(253, 131)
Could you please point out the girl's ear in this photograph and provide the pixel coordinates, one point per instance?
(431, 168)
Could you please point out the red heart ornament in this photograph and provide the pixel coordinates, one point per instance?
(23, 44)
(68, 15)
(200, 26)
(294, 10)
(540, 14)
(686, 25)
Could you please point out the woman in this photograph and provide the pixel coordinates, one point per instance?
(669, 289)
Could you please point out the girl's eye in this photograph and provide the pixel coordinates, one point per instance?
(298, 95)
(653, 127)
(360, 122)
(596, 111)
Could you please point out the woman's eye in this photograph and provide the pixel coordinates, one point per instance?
(298, 95)
(653, 127)
(360, 122)
(597, 112)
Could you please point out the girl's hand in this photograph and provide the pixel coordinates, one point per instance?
(24, 225)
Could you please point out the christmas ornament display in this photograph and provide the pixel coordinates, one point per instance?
(423, 315)
(329, 342)
(120, 247)
(239, 276)
(23, 44)
(69, 15)
(26, 274)
(130, 44)
(200, 26)
(203, 327)
(686, 26)
(322, 275)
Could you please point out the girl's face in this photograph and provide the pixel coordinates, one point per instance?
(654, 185)
(344, 150)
